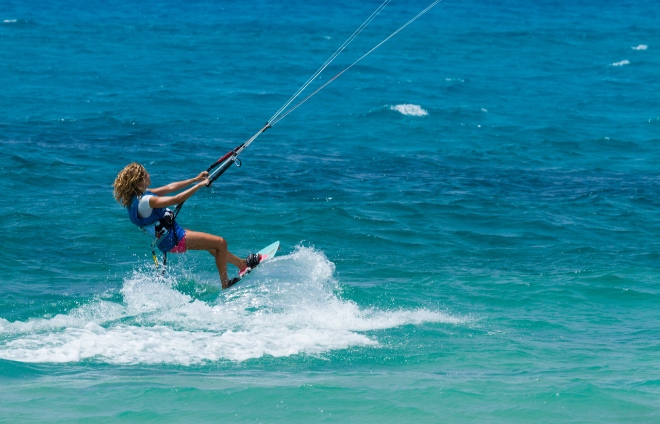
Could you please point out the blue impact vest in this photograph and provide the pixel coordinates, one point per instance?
(154, 225)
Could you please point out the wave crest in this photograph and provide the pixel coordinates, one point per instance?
(621, 63)
(410, 110)
(289, 306)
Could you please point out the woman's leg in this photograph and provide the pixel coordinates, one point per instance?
(216, 246)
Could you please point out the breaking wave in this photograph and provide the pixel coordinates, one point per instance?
(288, 306)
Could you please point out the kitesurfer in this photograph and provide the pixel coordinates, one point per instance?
(147, 208)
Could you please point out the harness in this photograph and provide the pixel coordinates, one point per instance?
(160, 225)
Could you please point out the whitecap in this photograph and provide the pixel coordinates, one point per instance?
(622, 63)
(410, 110)
(640, 47)
(289, 306)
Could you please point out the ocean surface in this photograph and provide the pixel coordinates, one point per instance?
(469, 216)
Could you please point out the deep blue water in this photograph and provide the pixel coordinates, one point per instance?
(468, 216)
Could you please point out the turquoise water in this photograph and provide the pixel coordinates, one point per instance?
(468, 217)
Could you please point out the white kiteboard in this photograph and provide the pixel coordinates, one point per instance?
(266, 253)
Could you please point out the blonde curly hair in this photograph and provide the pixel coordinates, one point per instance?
(129, 183)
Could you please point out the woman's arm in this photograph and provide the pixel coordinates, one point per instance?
(161, 191)
(165, 201)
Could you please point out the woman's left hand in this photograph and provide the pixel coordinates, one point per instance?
(202, 176)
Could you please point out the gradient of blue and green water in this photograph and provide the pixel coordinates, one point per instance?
(469, 217)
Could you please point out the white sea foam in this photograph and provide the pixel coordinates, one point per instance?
(410, 110)
(622, 63)
(289, 306)
(640, 47)
(9, 21)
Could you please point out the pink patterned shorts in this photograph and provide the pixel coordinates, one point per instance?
(180, 246)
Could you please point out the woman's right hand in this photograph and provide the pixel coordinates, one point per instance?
(202, 176)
